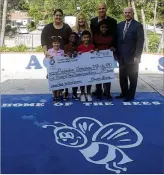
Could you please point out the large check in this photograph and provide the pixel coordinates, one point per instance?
(85, 69)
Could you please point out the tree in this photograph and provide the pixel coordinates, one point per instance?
(3, 22)
(155, 12)
(132, 3)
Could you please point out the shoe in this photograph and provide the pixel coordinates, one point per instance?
(104, 94)
(65, 97)
(74, 96)
(120, 96)
(55, 99)
(127, 99)
(109, 97)
(82, 98)
(99, 96)
(89, 98)
(94, 93)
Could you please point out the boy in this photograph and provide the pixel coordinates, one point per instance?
(85, 47)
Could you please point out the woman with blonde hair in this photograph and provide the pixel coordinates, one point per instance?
(81, 24)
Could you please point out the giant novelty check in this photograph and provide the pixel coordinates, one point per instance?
(85, 69)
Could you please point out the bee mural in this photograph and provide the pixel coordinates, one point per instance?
(93, 139)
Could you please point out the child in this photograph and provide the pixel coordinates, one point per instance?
(71, 51)
(56, 51)
(102, 41)
(86, 47)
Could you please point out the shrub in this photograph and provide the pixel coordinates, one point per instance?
(4, 48)
(39, 49)
(19, 48)
(31, 26)
(153, 43)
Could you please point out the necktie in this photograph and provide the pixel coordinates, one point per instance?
(125, 30)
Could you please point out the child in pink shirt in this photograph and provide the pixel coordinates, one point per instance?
(56, 51)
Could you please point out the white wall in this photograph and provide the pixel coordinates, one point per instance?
(31, 65)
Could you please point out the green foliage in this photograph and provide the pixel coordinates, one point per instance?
(153, 42)
(160, 11)
(22, 5)
(31, 26)
(35, 13)
(8, 28)
(10, 31)
(38, 49)
(19, 48)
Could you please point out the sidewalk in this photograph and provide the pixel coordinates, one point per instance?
(22, 83)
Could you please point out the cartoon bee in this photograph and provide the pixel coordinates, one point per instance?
(98, 143)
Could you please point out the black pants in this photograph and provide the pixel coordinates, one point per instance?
(106, 86)
(128, 71)
(82, 88)
(74, 90)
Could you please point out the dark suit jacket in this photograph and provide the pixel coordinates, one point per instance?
(132, 45)
(112, 27)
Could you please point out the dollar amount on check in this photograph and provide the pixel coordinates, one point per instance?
(85, 69)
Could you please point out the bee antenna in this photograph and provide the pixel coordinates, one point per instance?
(45, 126)
(60, 123)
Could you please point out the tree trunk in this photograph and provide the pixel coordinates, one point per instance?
(3, 22)
(145, 30)
(161, 44)
(134, 8)
(155, 12)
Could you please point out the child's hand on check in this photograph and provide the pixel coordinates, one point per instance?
(91, 51)
(69, 54)
(75, 54)
(79, 53)
(97, 50)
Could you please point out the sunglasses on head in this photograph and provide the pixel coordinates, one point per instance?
(56, 37)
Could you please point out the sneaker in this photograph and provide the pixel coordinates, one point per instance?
(99, 96)
(89, 98)
(109, 97)
(55, 100)
(74, 96)
(82, 98)
(66, 96)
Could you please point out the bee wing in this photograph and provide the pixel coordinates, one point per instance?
(121, 135)
(87, 125)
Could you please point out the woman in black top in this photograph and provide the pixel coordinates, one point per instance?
(56, 28)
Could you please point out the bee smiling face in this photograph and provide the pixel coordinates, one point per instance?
(70, 137)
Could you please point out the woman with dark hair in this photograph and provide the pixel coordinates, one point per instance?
(56, 28)
(103, 41)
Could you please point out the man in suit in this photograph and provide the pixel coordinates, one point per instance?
(130, 41)
(112, 23)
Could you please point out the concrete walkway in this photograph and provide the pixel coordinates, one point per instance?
(23, 83)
